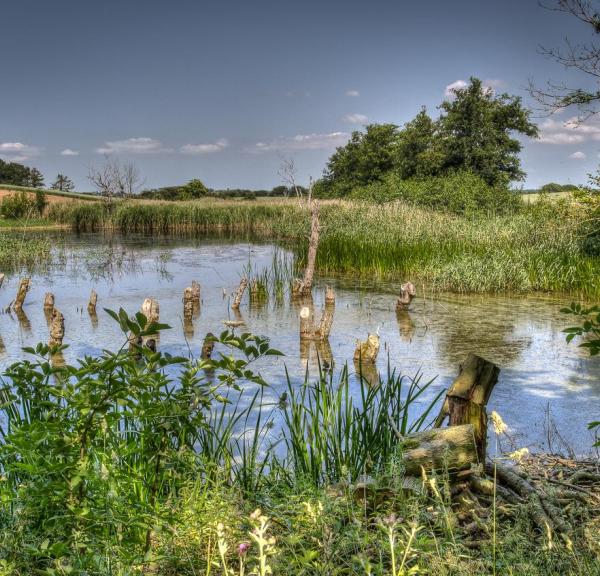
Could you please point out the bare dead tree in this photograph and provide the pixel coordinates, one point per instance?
(287, 172)
(583, 57)
(113, 178)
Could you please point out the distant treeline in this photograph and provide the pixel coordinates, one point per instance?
(19, 175)
(193, 190)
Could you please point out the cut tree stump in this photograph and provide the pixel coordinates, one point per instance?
(407, 293)
(92, 302)
(188, 303)
(367, 351)
(151, 310)
(309, 330)
(207, 347)
(467, 398)
(57, 328)
(48, 302)
(239, 293)
(21, 293)
(1, 280)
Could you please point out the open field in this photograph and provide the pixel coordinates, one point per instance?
(52, 196)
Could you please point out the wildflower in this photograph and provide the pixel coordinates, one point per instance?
(243, 548)
(499, 425)
(519, 455)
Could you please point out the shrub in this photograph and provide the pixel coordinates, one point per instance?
(17, 206)
(460, 193)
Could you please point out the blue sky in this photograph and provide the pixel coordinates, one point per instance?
(222, 90)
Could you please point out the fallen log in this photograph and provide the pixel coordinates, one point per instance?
(439, 449)
(467, 398)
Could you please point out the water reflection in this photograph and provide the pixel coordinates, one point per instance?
(520, 334)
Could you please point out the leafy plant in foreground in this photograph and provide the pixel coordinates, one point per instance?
(92, 454)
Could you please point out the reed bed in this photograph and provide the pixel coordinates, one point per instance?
(538, 248)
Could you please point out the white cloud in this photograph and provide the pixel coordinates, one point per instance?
(303, 142)
(489, 84)
(133, 146)
(196, 149)
(571, 131)
(353, 93)
(457, 85)
(69, 152)
(355, 119)
(578, 155)
(17, 151)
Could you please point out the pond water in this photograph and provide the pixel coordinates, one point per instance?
(547, 391)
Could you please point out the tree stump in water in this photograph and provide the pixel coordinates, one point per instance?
(308, 328)
(407, 293)
(151, 310)
(303, 287)
(467, 398)
(1, 280)
(92, 302)
(239, 293)
(49, 302)
(367, 351)
(57, 328)
(207, 347)
(188, 303)
(21, 293)
(196, 291)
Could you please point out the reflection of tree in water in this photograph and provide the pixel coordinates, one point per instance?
(488, 331)
(24, 322)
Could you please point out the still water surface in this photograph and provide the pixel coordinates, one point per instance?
(547, 391)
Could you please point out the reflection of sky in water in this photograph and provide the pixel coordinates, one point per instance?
(521, 334)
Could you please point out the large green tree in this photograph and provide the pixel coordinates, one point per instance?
(366, 158)
(14, 173)
(63, 183)
(477, 129)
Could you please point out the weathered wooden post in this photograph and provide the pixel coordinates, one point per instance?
(407, 293)
(306, 323)
(48, 302)
(92, 302)
(367, 351)
(196, 291)
(304, 286)
(188, 303)
(1, 279)
(21, 293)
(207, 347)
(57, 328)
(239, 293)
(150, 310)
(467, 398)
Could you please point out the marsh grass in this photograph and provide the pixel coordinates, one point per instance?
(538, 248)
(23, 251)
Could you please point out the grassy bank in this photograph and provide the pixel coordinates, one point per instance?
(538, 248)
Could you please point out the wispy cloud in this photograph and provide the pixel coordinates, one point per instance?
(69, 152)
(489, 83)
(353, 93)
(355, 119)
(133, 146)
(17, 151)
(570, 131)
(303, 142)
(579, 155)
(198, 149)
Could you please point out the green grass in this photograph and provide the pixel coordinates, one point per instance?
(538, 248)
(18, 251)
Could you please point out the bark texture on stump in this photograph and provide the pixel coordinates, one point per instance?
(196, 291)
(1, 280)
(239, 293)
(309, 330)
(21, 293)
(467, 398)
(57, 328)
(367, 351)
(207, 347)
(92, 302)
(407, 293)
(441, 449)
(151, 310)
(188, 303)
(48, 302)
